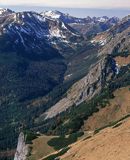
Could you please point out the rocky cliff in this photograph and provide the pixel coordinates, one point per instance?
(87, 87)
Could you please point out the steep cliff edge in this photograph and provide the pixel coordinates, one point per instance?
(22, 148)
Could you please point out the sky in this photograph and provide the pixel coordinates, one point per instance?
(80, 8)
(71, 3)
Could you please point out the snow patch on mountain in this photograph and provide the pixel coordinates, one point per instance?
(52, 14)
(31, 30)
(5, 11)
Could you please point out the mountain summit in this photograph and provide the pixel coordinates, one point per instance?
(4, 11)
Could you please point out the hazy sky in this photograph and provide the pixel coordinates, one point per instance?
(78, 8)
(71, 3)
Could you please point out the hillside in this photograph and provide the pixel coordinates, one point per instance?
(108, 126)
(117, 108)
(111, 143)
(93, 92)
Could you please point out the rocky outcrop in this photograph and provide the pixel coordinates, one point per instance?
(22, 148)
(85, 88)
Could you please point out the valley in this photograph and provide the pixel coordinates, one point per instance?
(65, 85)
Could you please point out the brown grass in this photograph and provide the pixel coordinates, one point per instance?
(122, 61)
(109, 144)
(118, 108)
(40, 148)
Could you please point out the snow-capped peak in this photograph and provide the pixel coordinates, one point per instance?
(52, 14)
(5, 11)
(101, 19)
(32, 30)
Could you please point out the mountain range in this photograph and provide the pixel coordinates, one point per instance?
(87, 26)
(59, 75)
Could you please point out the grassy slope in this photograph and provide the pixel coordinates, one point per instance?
(117, 107)
(111, 143)
(51, 146)
(40, 148)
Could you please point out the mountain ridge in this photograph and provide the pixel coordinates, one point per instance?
(86, 26)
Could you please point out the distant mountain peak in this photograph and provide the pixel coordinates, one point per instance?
(66, 18)
(52, 14)
(5, 11)
(31, 31)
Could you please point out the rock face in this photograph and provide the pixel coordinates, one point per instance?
(22, 148)
(85, 88)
